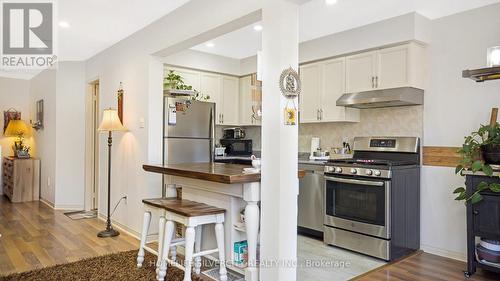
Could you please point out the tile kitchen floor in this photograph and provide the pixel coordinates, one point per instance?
(319, 262)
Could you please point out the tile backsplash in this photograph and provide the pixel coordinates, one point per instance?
(392, 121)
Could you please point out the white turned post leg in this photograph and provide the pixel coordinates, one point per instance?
(173, 249)
(161, 231)
(197, 249)
(190, 236)
(145, 229)
(167, 239)
(252, 218)
(219, 235)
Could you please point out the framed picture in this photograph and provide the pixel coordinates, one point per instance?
(8, 115)
(39, 116)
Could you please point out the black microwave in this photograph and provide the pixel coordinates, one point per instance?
(237, 146)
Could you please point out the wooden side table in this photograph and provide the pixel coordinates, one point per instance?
(21, 179)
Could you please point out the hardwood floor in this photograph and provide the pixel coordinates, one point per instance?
(35, 236)
(425, 267)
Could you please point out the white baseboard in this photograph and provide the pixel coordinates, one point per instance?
(69, 207)
(49, 204)
(122, 227)
(444, 253)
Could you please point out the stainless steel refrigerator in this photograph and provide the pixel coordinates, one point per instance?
(188, 131)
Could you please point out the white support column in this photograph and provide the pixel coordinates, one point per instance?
(279, 144)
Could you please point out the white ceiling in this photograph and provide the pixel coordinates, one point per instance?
(318, 19)
(97, 24)
(239, 44)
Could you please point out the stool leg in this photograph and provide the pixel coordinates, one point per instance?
(197, 249)
(145, 229)
(173, 249)
(190, 236)
(167, 239)
(219, 235)
(161, 234)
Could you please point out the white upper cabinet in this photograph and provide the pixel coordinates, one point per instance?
(360, 72)
(230, 100)
(392, 67)
(399, 66)
(310, 76)
(211, 86)
(246, 101)
(333, 89)
(322, 84)
(190, 77)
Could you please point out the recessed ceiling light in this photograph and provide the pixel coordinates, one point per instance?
(64, 24)
(257, 27)
(210, 45)
(331, 2)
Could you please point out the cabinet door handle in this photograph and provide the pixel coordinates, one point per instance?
(321, 114)
(373, 82)
(376, 81)
(317, 114)
(475, 212)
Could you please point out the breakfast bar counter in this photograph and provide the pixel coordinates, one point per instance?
(224, 186)
(215, 172)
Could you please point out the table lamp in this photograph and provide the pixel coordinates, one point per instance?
(110, 123)
(19, 129)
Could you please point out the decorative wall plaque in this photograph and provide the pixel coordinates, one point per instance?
(290, 85)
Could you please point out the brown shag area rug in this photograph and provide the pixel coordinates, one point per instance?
(119, 266)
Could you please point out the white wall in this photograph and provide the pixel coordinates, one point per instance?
(130, 61)
(14, 93)
(43, 86)
(453, 108)
(70, 136)
(204, 61)
(390, 31)
(61, 143)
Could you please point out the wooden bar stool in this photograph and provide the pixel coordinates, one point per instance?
(150, 208)
(193, 215)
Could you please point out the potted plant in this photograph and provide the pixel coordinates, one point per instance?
(480, 150)
(174, 81)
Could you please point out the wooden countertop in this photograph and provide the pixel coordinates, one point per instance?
(216, 172)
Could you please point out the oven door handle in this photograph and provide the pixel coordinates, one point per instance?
(363, 182)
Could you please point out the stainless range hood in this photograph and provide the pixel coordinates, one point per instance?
(383, 98)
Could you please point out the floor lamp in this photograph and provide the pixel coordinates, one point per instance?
(110, 123)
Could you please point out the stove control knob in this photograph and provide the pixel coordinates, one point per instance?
(377, 172)
(338, 170)
(354, 171)
(368, 172)
(331, 169)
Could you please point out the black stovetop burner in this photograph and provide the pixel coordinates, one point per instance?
(371, 162)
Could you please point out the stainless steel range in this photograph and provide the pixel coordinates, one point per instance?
(372, 201)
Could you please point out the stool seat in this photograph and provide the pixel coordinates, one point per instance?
(183, 207)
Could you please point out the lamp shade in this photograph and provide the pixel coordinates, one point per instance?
(110, 121)
(17, 128)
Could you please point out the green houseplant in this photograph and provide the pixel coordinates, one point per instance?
(479, 151)
(174, 81)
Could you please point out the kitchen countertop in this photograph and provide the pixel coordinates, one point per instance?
(216, 172)
(323, 162)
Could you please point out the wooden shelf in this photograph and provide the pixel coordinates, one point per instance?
(482, 74)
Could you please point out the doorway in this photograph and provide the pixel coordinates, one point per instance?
(92, 146)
